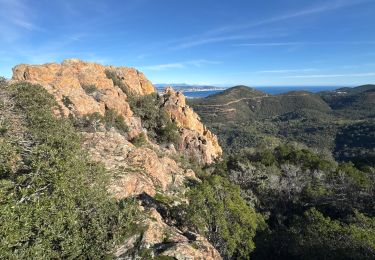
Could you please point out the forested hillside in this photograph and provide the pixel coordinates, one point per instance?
(305, 162)
(339, 122)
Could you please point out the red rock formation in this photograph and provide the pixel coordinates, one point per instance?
(137, 169)
(70, 80)
(197, 140)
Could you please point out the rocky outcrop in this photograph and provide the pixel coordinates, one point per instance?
(144, 171)
(197, 140)
(163, 240)
(83, 88)
(136, 170)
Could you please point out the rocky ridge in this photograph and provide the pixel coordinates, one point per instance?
(83, 88)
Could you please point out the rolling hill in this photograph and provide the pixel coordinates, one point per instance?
(244, 117)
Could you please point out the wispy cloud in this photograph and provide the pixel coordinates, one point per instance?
(179, 65)
(368, 74)
(52, 50)
(194, 41)
(231, 32)
(202, 41)
(165, 66)
(271, 44)
(201, 62)
(188, 43)
(287, 70)
(322, 8)
(16, 19)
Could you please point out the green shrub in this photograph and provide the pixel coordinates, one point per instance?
(112, 119)
(56, 204)
(303, 157)
(67, 102)
(217, 210)
(155, 119)
(316, 236)
(139, 140)
(9, 158)
(90, 122)
(3, 129)
(90, 89)
(168, 134)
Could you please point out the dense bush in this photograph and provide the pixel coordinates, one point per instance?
(139, 140)
(112, 119)
(91, 122)
(316, 236)
(311, 235)
(218, 211)
(54, 204)
(92, 91)
(155, 119)
(287, 181)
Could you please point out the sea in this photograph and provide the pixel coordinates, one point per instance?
(268, 90)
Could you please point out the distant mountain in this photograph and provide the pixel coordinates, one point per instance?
(354, 102)
(341, 121)
(243, 103)
(188, 88)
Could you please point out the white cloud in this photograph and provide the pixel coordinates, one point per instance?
(179, 65)
(17, 18)
(368, 74)
(202, 41)
(200, 63)
(230, 32)
(270, 44)
(166, 66)
(328, 6)
(287, 70)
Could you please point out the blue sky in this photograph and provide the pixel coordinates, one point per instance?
(257, 43)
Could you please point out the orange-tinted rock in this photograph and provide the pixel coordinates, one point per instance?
(136, 169)
(134, 79)
(158, 235)
(68, 83)
(197, 140)
(68, 80)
